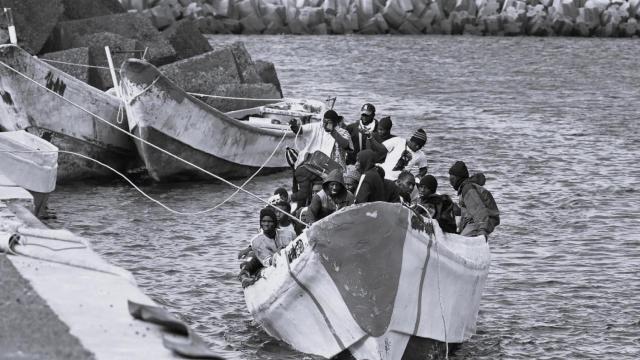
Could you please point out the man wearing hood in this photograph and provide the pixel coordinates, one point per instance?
(364, 135)
(371, 186)
(479, 211)
(333, 196)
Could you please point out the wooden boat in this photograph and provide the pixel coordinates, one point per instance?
(31, 163)
(374, 280)
(27, 106)
(163, 114)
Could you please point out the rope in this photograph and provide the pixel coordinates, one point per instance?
(152, 145)
(130, 101)
(231, 97)
(75, 64)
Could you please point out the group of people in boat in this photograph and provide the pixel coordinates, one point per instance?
(343, 165)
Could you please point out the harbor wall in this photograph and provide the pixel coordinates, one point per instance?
(600, 18)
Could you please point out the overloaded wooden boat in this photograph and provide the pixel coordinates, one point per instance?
(27, 106)
(231, 144)
(374, 280)
(31, 163)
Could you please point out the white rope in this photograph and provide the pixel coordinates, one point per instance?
(232, 97)
(150, 144)
(75, 64)
(130, 99)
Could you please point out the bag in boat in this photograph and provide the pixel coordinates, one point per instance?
(320, 164)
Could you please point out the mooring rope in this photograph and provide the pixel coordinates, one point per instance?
(151, 144)
(74, 64)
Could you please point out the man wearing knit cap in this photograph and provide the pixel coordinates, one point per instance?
(270, 239)
(439, 207)
(364, 134)
(479, 211)
(406, 155)
(384, 128)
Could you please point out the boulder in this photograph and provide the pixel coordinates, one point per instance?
(488, 8)
(210, 25)
(232, 26)
(203, 73)
(223, 8)
(600, 4)
(82, 9)
(311, 17)
(34, 21)
(246, 68)
(161, 16)
(246, 8)
(537, 21)
(320, 29)
(73, 56)
(393, 14)
(273, 15)
(634, 8)
(128, 25)
(186, 39)
(466, 5)
(267, 72)
(330, 7)
(252, 24)
(101, 78)
(491, 24)
(629, 28)
(244, 93)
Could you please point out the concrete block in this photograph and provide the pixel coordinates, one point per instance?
(267, 72)
(488, 8)
(311, 17)
(246, 8)
(246, 68)
(273, 15)
(466, 5)
(128, 25)
(74, 56)
(186, 39)
(82, 9)
(248, 91)
(600, 4)
(210, 25)
(320, 29)
(492, 25)
(34, 21)
(223, 8)
(330, 7)
(162, 16)
(252, 24)
(232, 26)
(101, 78)
(629, 28)
(393, 14)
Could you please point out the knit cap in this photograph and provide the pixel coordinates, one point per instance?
(459, 169)
(419, 137)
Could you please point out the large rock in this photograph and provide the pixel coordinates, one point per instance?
(246, 67)
(186, 39)
(242, 95)
(34, 21)
(203, 73)
(119, 45)
(268, 74)
(72, 56)
(82, 9)
(128, 25)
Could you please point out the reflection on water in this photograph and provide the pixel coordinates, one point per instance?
(553, 122)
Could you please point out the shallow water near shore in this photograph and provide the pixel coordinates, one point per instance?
(553, 122)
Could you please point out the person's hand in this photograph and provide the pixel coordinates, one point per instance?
(243, 253)
(294, 124)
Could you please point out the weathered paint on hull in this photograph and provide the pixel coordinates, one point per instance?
(194, 130)
(371, 279)
(26, 106)
(162, 167)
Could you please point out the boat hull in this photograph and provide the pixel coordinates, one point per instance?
(371, 280)
(27, 106)
(166, 116)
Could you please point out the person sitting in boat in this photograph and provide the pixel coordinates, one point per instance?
(406, 155)
(405, 182)
(384, 128)
(351, 178)
(371, 186)
(284, 221)
(326, 136)
(479, 211)
(270, 239)
(364, 135)
(282, 193)
(303, 181)
(439, 207)
(333, 196)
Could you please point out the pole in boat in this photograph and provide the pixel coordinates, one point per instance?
(112, 70)
(13, 37)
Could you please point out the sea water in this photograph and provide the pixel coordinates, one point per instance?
(554, 123)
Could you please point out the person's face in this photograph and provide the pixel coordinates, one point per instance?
(316, 188)
(406, 185)
(453, 179)
(351, 186)
(328, 125)
(268, 224)
(424, 190)
(383, 132)
(334, 188)
(366, 118)
(359, 166)
(413, 146)
(279, 214)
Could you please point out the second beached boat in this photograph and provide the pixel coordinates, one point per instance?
(232, 144)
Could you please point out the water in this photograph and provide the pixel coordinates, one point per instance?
(553, 122)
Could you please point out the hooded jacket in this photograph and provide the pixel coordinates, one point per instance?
(323, 204)
(371, 187)
(480, 213)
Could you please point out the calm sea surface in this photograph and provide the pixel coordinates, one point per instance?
(553, 122)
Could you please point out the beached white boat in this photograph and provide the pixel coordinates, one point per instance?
(371, 280)
(163, 114)
(31, 163)
(27, 106)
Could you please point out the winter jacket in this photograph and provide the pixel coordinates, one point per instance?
(371, 187)
(375, 143)
(322, 204)
(480, 214)
(443, 210)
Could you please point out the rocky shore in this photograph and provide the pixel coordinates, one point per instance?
(601, 18)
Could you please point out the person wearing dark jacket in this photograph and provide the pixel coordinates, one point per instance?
(439, 207)
(333, 196)
(364, 135)
(303, 183)
(371, 187)
(479, 211)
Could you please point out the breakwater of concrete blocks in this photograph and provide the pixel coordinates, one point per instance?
(602, 18)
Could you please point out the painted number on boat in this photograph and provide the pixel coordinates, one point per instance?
(55, 84)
